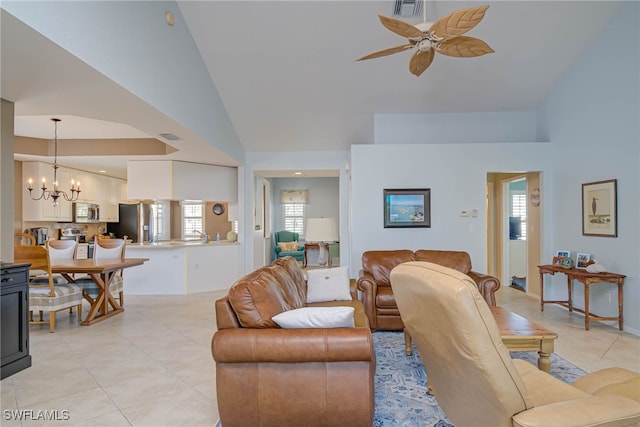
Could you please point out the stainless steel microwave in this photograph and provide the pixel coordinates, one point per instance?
(86, 212)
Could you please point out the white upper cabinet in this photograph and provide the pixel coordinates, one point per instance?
(102, 190)
(43, 210)
(176, 180)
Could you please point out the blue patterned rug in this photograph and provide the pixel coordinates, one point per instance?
(400, 383)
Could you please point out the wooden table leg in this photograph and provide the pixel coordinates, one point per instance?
(102, 301)
(541, 291)
(620, 323)
(544, 361)
(407, 342)
(570, 293)
(587, 318)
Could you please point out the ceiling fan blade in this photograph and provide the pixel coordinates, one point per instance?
(420, 61)
(386, 52)
(458, 22)
(464, 47)
(401, 28)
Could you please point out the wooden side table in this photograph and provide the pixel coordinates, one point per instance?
(586, 279)
(316, 246)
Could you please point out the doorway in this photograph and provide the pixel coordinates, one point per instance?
(513, 229)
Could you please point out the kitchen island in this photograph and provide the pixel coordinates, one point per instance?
(182, 267)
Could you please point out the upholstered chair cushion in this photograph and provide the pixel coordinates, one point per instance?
(473, 377)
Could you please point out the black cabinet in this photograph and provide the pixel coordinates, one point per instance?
(14, 312)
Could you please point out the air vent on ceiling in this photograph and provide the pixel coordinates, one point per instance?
(170, 137)
(407, 8)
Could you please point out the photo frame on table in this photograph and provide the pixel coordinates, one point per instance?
(599, 208)
(582, 260)
(560, 255)
(409, 207)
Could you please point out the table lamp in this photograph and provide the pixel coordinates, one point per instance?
(322, 231)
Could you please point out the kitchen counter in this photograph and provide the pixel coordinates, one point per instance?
(179, 243)
(182, 267)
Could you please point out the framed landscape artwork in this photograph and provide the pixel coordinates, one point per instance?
(599, 209)
(409, 207)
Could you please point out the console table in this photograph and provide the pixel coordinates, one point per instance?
(586, 279)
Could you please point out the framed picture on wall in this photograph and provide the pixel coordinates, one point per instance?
(409, 207)
(599, 209)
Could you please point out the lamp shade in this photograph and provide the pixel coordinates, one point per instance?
(321, 230)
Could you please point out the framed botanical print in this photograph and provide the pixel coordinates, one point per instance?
(599, 209)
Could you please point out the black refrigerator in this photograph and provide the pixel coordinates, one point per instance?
(135, 222)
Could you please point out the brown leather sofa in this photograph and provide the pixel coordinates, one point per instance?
(377, 295)
(267, 376)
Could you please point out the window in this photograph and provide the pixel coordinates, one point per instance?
(192, 220)
(294, 217)
(161, 219)
(519, 209)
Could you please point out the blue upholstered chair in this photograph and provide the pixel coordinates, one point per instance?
(288, 237)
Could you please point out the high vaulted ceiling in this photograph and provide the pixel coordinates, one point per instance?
(287, 75)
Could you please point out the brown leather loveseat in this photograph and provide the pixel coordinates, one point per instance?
(377, 295)
(268, 376)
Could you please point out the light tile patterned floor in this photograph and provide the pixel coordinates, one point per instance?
(152, 365)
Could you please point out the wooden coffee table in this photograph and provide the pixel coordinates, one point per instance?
(521, 334)
(518, 334)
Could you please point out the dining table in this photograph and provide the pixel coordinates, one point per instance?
(101, 272)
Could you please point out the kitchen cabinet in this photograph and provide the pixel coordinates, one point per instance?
(104, 191)
(111, 198)
(14, 310)
(43, 210)
(177, 180)
(90, 186)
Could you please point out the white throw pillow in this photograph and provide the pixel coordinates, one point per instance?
(316, 317)
(330, 284)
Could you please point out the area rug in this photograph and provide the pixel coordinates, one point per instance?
(400, 383)
(401, 396)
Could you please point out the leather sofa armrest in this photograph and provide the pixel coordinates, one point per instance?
(487, 285)
(369, 288)
(588, 411)
(353, 288)
(292, 345)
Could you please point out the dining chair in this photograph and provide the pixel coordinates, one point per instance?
(47, 296)
(58, 249)
(24, 239)
(62, 249)
(105, 249)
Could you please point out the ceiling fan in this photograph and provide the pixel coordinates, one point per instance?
(443, 36)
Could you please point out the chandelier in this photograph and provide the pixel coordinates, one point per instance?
(55, 193)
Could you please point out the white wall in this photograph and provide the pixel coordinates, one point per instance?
(504, 126)
(592, 118)
(131, 43)
(457, 177)
(6, 181)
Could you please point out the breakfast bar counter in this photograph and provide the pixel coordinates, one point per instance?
(182, 267)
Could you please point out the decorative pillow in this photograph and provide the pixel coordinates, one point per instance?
(330, 284)
(289, 246)
(316, 317)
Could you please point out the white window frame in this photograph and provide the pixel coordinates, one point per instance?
(187, 216)
(297, 222)
(519, 209)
